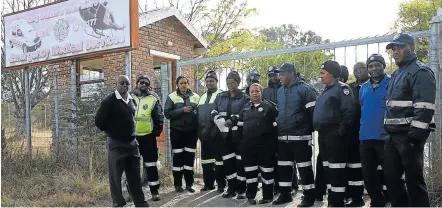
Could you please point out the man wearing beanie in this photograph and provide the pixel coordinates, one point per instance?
(410, 109)
(372, 132)
(355, 188)
(210, 160)
(149, 109)
(296, 102)
(227, 106)
(333, 117)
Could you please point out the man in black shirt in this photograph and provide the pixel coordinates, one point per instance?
(115, 116)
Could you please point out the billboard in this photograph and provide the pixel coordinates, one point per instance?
(67, 29)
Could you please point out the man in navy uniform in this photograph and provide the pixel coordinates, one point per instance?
(296, 104)
(408, 120)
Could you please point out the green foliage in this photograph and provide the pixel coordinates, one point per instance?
(415, 15)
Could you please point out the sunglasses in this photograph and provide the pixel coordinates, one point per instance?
(144, 83)
(124, 83)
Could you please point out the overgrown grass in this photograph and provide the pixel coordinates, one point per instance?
(63, 181)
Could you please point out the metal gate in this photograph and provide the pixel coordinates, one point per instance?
(301, 56)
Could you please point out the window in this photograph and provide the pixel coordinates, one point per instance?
(91, 77)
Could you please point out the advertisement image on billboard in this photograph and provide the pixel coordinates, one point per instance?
(67, 29)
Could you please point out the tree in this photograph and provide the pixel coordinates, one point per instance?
(291, 36)
(414, 16)
(13, 82)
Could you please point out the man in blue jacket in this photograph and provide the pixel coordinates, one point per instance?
(372, 133)
(408, 120)
(296, 102)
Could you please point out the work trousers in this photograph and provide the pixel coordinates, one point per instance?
(233, 165)
(212, 164)
(259, 160)
(299, 152)
(124, 156)
(372, 159)
(294, 177)
(405, 154)
(355, 187)
(320, 182)
(183, 156)
(149, 151)
(334, 153)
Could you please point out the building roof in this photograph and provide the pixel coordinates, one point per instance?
(156, 15)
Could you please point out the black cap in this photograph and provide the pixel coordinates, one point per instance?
(287, 67)
(332, 67)
(211, 74)
(376, 57)
(272, 70)
(254, 76)
(235, 76)
(401, 39)
(143, 77)
(344, 73)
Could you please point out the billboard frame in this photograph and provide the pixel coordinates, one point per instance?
(134, 38)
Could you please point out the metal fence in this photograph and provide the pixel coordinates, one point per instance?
(308, 60)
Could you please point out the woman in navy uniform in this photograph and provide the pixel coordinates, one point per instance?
(332, 118)
(258, 146)
(226, 111)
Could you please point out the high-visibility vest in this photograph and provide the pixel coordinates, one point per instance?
(212, 99)
(194, 98)
(143, 115)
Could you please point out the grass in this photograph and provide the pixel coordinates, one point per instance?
(47, 180)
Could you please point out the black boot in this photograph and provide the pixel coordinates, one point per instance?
(251, 201)
(356, 203)
(283, 198)
(208, 188)
(229, 194)
(220, 189)
(179, 189)
(190, 189)
(265, 201)
(306, 203)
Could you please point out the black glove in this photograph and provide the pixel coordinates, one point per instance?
(234, 120)
(418, 136)
(156, 133)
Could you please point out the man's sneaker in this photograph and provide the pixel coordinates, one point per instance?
(282, 199)
(155, 197)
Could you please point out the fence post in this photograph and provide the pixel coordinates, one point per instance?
(128, 66)
(28, 112)
(73, 103)
(165, 92)
(436, 137)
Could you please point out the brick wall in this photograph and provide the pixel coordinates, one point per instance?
(156, 36)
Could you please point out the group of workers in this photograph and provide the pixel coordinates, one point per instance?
(371, 133)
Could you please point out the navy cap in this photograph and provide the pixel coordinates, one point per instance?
(287, 67)
(272, 70)
(401, 39)
(254, 76)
